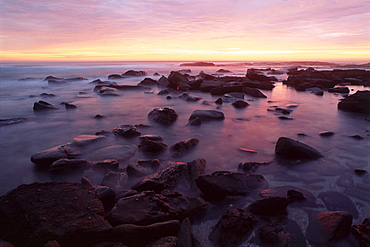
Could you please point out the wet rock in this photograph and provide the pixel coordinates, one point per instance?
(110, 244)
(151, 137)
(163, 82)
(108, 164)
(188, 97)
(86, 181)
(207, 86)
(239, 104)
(107, 196)
(147, 235)
(52, 243)
(362, 232)
(223, 71)
(132, 73)
(254, 92)
(152, 146)
(255, 75)
(360, 172)
(357, 137)
(127, 131)
(290, 149)
(84, 140)
(269, 206)
(107, 91)
(221, 184)
(295, 196)
(329, 227)
(176, 174)
(358, 102)
(114, 77)
(339, 90)
(163, 115)
(234, 227)
(170, 241)
(179, 81)
(48, 156)
(98, 116)
(115, 180)
(148, 207)
(226, 89)
(250, 166)
(9, 121)
(198, 64)
(69, 164)
(117, 152)
(219, 101)
(180, 148)
(326, 133)
(148, 82)
(207, 115)
(43, 105)
(285, 232)
(336, 201)
(136, 170)
(151, 163)
(285, 118)
(316, 91)
(185, 238)
(77, 220)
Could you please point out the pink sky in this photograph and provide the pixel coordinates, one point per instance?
(210, 30)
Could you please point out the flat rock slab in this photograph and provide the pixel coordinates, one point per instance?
(149, 207)
(336, 201)
(207, 115)
(70, 213)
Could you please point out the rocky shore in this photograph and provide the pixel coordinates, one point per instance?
(154, 202)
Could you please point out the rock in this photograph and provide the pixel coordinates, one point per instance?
(188, 97)
(316, 91)
(185, 238)
(329, 227)
(239, 104)
(180, 148)
(48, 156)
(207, 86)
(69, 213)
(136, 170)
(336, 201)
(285, 232)
(9, 121)
(148, 82)
(163, 115)
(127, 131)
(269, 206)
(170, 241)
(53, 243)
(152, 146)
(255, 75)
(254, 92)
(234, 227)
(223, 71)
(362, 232)
(326, 133)
(226, 89)
(114, 77)
(117, 152)
(178, 81)
(131, 73)
(339, 90)
(295, 196)
(250, 166)
(148, 208)
(221, 184)
(153, 164)
(86, 181)
(163, 82)
(207, 115)
(290, 149)
(164, 92)
(198, 64)
(195, 122)
(357, 137)
(69, 164)
(206, 77)
(151, 137)
(358, 102)
(98, 116)
(107, 196)
(346, 180)
(115, 180)
(43, 105)
(83, 140)
(360, 172)
(108, 164)
(110, 244)
(219, 101)
(107, 91)
(285, 118)
(175, 174)
(147, 235)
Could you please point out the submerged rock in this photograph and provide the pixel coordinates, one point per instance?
(362, 232)
(294, 150)
(9, 121)
(152, 146)
(69, 164)
(269, 206)
(127, 131)
(180, 148)
(233, 228)
(43, 105)
(163, 115)
(69, 213)
(115, 180)
(336, 201)
(207, 115)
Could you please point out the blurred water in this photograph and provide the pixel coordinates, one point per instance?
(219, 141)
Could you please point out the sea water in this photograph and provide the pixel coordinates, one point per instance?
(254, 127)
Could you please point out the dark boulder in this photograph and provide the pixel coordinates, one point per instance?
(329, 227)
(180, 148)
(163, 82)
(174, 175)
(254, 92)
(163, 115)
(362, 232)
(148, 82)
(69, 213)
(107, 196)
(250, 166)
(358, 102)
(269, 206)
(185, 236)
(178, 81)
(108, 164)
(207, 86)
(336, 201)
(151, 137)
(188, 97)
(148, 208)
(221, 184)
(48, 156)
(114, 76)
(234, 227)
(127, 131)
(206, 77)
(326, 133)
(132, 73)
(339, 90)
(226, 89)
(240, 104)
(169, 241)
(115, 180)
(290, 149)
(69, 164)
(69, 106)
(207, 115)
(256, 75)
(136, 170)
(285, 232)
(43, 105)
(152, 146)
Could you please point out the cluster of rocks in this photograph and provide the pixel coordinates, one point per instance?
(160, 208)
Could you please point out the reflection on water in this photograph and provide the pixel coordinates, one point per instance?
(253, 128)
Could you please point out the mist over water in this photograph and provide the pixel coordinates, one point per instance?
(253, 127)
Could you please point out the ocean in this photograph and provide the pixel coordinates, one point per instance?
(255, 127)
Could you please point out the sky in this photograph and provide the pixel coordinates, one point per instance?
(184, 30)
